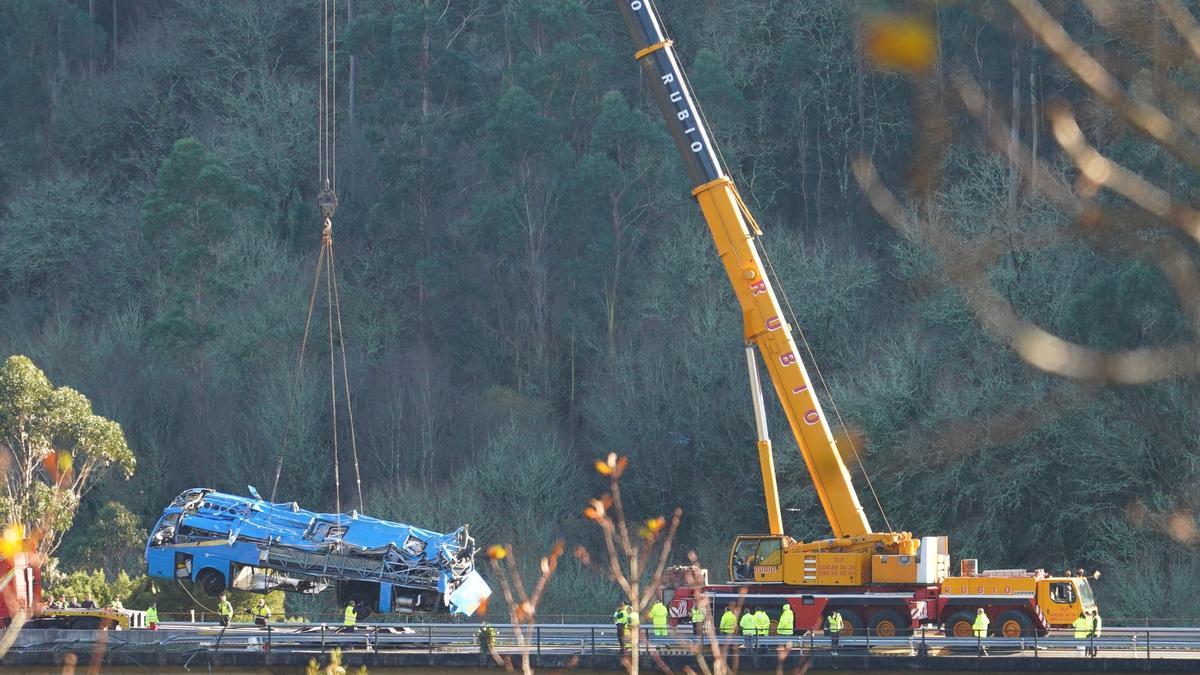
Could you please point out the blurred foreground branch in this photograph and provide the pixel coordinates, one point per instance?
(1154, 225)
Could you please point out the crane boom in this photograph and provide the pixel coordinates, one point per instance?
(882, 582)
(733, 229)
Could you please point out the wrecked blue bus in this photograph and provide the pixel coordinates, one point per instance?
(222, 541)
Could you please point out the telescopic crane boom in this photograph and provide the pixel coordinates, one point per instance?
(733, 231)
(887, 583)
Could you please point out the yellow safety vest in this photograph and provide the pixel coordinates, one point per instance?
(835, 622)
(263, 612)
(728, 623)
(658, 614)
(351, 617)
(697, 614)
(487, 637)
(1082, 627)
(787, 621)
(225, 608)
(748, 624)
(152, 615)
(620, 617)
(981, 625)
(762, 622)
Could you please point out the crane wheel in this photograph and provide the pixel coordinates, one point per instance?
(887, 623)
(960, 625)
(1014, 624)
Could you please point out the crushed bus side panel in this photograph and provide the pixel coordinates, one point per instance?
(222, 541)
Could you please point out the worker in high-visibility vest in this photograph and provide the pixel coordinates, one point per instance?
(762, 623)
(487, 639)
(621, 621)
(350, 617)
(728, 622)
(635, 619)
(749, 626)
(658, 616)
(152, 616)
(697, 618)
(225, 611)
(980, 629)
(1097, 625)
(1082, 626)
(834, 626)
(262, 613)
(787, 621)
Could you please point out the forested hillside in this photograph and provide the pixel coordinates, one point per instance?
(527, 285)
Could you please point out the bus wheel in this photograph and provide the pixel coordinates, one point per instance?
(960, 624)
(1014, 624)
(212, 581)
(888, 623)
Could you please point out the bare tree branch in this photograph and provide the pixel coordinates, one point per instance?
(1142, 116)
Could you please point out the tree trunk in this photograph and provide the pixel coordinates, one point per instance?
(353, 70)
(611, 292)
(1034, 125)
(424, 67)
(422, 201)
(1014, 171)
(92, 16)
(859, 95)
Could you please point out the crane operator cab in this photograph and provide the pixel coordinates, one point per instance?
(756, 559)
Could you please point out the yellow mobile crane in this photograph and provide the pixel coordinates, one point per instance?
(888, 582)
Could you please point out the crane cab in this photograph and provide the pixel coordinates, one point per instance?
(756, 559)
(1063, 599)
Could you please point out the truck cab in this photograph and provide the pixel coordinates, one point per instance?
(1063, 599)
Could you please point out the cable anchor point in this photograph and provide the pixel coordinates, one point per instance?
(327, 232)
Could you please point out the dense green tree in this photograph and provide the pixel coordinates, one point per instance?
(114, 543)
(194, 207)
(57, 449)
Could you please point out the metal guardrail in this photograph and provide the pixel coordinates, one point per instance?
(598, 640)
(335, 616)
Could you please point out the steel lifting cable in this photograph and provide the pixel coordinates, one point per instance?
(824, 386)
(312, 301)
(782, 292)
(323, 103)
(327, 242)
(327, 202)
(333, 105)
(337, 307)
(327, 105)
(337, 344)
(189, 594)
